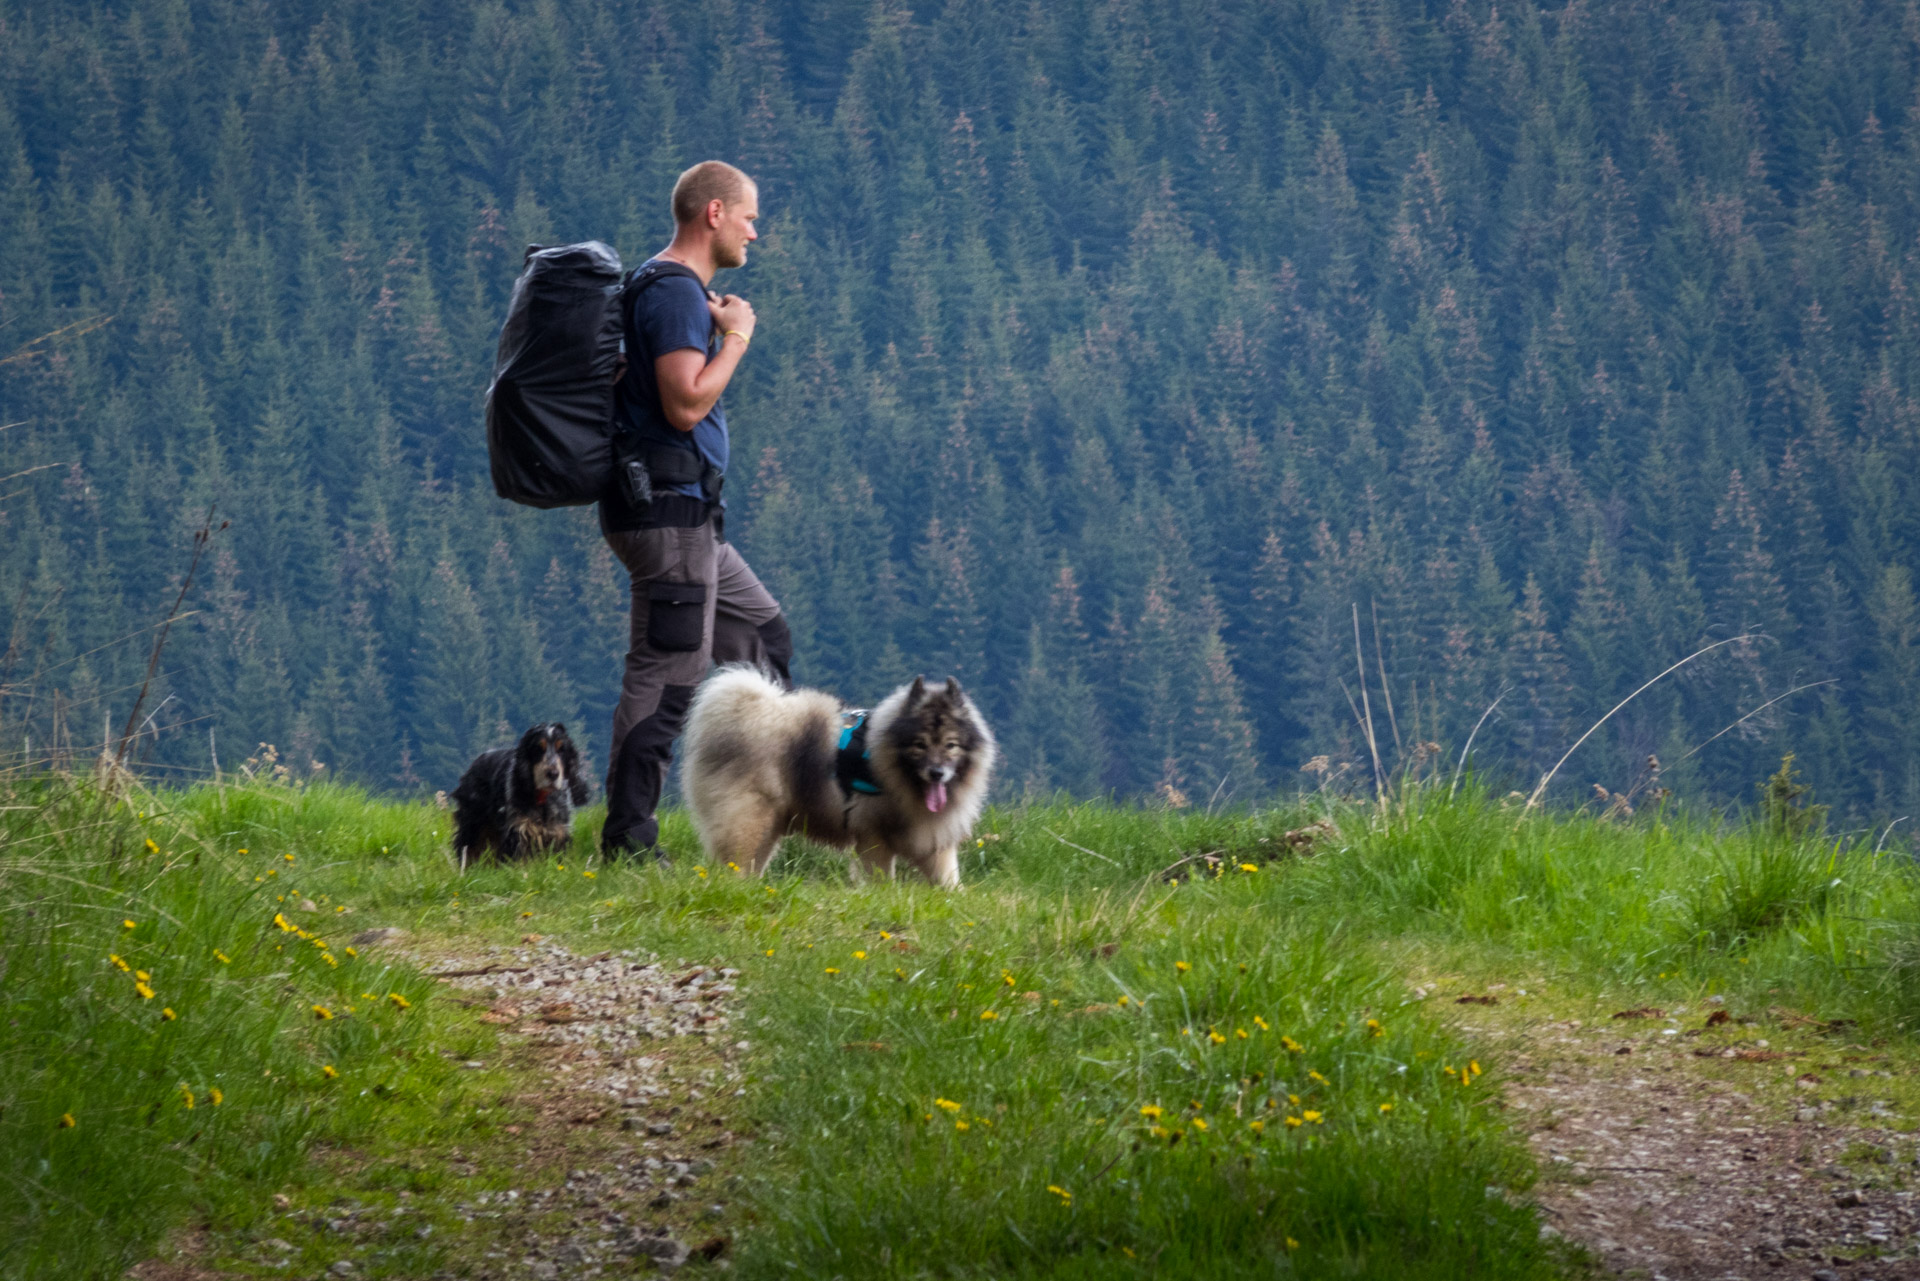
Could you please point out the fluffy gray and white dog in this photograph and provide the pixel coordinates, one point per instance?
(763, 763)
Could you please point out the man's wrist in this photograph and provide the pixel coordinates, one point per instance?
(745, 342)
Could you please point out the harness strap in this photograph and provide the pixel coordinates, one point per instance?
(852, 766)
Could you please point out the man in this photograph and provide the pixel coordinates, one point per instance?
(695, 602)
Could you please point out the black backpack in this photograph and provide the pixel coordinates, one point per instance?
(550, 429)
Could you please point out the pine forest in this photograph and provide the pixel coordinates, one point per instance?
(1200, 383)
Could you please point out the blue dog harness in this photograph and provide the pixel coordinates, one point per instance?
(853, 766)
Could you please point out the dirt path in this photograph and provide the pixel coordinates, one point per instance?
(1676, 1149)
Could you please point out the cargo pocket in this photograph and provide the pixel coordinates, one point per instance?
(676, 616)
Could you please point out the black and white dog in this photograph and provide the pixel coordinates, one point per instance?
(518, 801)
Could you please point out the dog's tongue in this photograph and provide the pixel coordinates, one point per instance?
(937, 797)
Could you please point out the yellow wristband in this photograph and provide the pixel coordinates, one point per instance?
(735, 333)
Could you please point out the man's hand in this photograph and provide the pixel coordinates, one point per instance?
(732, 312)
(689, 382)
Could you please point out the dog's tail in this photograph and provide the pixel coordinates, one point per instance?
(735, 686)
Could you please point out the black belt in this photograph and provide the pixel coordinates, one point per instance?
(668, 466)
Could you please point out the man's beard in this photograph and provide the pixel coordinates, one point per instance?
(729, 256)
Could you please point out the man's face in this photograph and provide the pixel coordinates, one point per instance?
(734, 230)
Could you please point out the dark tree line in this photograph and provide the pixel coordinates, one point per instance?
(1119, 357)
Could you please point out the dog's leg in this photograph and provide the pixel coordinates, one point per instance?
(942, 867)
(748, 841)
(875, 861)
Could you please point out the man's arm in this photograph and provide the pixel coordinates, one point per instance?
(689, 383)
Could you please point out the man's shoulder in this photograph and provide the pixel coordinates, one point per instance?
(672, 282)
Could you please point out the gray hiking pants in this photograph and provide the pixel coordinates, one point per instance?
(695, 604)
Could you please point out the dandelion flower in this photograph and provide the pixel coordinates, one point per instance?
(328, 958)
(350, 952)
(66, 1121)
(1473, 1066)
(588, 874)
(118, 963)
(1317, 1077)
(1312, 1116)
(1294, 1099)
(1181, 967)
(287, 857)
(399, 1002)
(1064, 1195)
(146, 993)
(1200, 1125)
(884, 935)
(186, 1097)
(280, 919)
(946, 1105)
(1374, 1028)
(1385, 1108)
(1214, 1036)
(1291, 1046)
(327, 1069)
(700, 872)
(769, 951)
(143, 976)
(222, 957)
(1249, 867)
(988, 1016)
(1258, 1127)
(1240, 1033)
(151, 847)
(1186, 1031)
(525, 915)
(322, 1013)
(128, 924)
(167, 1015)
(1153, 1110)
(1292, 1244)
(243, 851)
(216, 1098)
(1261, 1024)
(859, 956)
(831, 970)
(1123, 1000)
(1293, 1123)
(902, 976)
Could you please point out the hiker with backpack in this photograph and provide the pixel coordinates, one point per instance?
(654, 457)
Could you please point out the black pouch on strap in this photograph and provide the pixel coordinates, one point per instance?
(676, 616)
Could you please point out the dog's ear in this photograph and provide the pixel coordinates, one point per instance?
(954, 696)
(916, 691)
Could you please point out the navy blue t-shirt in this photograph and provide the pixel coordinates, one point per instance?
(668, 315)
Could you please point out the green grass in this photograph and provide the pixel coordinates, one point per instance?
(1067, 935)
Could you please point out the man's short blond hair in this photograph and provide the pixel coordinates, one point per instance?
(707, 181)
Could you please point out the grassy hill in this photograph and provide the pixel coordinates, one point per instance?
(1140, 1042)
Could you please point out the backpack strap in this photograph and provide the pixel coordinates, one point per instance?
(646, 274)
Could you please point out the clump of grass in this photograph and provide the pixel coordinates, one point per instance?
(168, 1045)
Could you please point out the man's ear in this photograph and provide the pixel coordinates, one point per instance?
(716, 210)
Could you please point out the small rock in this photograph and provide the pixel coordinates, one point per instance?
(1796, 1243)
(660, 1129)
(275, 1243)
(664, 1251)
(664, 1200)
(1825, 1274)
(281, 1201)
(542, 1270)
(344, 1268)
(1849, 1199)
(375, 937)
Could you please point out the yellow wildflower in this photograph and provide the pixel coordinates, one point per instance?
(1181, 966)
(127, 924)
(1124, 1000)
(1240, 1033)
(1199, 1125)
(1312, 1116)
(1385, 1108)
(525, 915)
(1315, 1076)
(287, 857)
(151, 847)
(399, 1002)
(962, 1126)
(66, 1121)
(327, 1070)
(947, 1105)
(1153, 1110)
(1248, 867)
(322, 1013)
(1064, 1195)
(280, 919)
(1294, 1099)
(769, 951)
(1473, 1066)
(988, 1016)
(216, 1098)
(1292, 1244)
(118, 963)
(328, 958)
(1213, 1034)
(186, 1096)
(1261, 1024)
(884, 935)
(146, 993)
(243, 851)
(1291, 1046)
(588, 874)
(350, 952)
(831, 970)
(222, 957)
(143, 976)
(1293, 1123)
(1258, 1127)
(1374, 1028)
(859, 956)
(700, 872)
(167, 1015)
